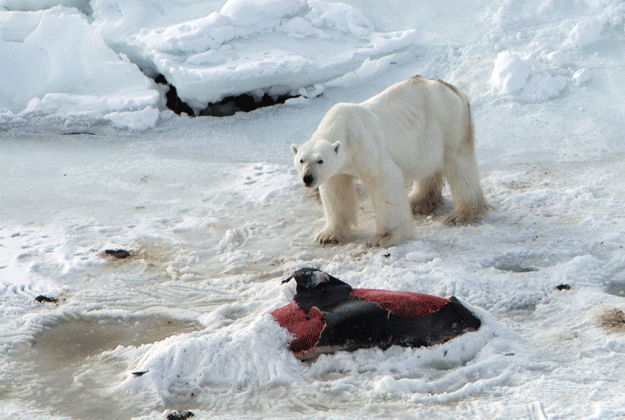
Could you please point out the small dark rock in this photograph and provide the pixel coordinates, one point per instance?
(45, 299)
(563, 287)
(180, 415)
(120, 254)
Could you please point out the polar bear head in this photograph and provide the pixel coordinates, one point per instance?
(317, 160)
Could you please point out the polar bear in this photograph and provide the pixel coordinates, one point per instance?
(418, 130)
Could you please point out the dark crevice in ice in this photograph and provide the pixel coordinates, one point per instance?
(228, 106)
(173, 101)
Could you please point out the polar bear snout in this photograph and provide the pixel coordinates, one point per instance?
(308, 179)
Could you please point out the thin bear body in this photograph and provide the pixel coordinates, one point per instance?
(418, 131)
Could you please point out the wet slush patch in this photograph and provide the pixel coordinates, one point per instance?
(514, 264)
(77, 339)
(65, 367)
(616, 288)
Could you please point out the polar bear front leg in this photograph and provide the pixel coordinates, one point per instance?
(393, 216)
(338, 195)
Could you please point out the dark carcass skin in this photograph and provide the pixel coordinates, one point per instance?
(328, 315)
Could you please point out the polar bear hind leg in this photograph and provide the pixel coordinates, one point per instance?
(427, 195)
(460, 170)
(338, 195)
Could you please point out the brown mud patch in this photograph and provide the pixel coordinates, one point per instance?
(612, 320)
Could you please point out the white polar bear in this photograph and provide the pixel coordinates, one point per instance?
(417, 130)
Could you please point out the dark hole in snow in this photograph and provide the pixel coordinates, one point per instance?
(79, 133)
(227, 107)
(563, 287)
(242, 103)
(515, 268)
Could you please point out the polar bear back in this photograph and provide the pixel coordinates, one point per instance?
(415, 115)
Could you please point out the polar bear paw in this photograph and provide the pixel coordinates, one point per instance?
(330, 236)
(380, 239)
(467, 214)
(457, 218)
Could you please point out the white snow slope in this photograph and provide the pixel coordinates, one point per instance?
(214, 215)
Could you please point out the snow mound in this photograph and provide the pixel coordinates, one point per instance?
(228, 357)
(510, 73)
(581, 76)
(524, 78)
(586, 32)
(135, 120)
(53, 63)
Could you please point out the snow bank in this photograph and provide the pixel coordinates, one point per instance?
(72, 65)
(273, 46)
(53, 63)
(75, 60)
(251, 353)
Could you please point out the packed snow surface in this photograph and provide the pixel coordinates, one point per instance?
(213, 215)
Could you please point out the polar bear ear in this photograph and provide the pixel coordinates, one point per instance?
(337, 146)
(294, 148)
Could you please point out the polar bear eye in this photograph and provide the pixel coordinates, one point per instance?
(320, 161)
(301, 161)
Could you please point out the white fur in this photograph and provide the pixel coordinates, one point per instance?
(417, 130)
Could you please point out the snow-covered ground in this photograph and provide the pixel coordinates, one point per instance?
(214, 216)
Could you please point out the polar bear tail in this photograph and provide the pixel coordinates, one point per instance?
(468, 139)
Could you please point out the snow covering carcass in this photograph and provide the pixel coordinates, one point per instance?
(328, 315)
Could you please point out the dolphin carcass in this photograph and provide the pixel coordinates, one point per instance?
(328, 315)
